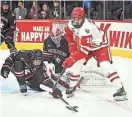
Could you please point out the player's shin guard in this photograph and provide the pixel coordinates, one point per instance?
(19, 73)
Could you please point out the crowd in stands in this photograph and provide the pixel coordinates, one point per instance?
(97, 10)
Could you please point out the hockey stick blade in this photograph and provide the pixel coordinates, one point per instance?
(73, 108)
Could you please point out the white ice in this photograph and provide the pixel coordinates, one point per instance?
(91, 103)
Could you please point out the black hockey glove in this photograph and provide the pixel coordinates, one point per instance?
(5, 72)
(57, 93)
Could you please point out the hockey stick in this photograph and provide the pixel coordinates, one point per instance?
(59, 78)
(68, 106)
(74, 88)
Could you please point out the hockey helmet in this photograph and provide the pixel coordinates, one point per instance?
(36, 54)
(56, 36)
(36, 57)
(78, 17)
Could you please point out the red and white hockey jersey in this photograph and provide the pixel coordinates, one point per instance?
(88, 37)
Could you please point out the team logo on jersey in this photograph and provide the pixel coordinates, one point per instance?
(87, 30)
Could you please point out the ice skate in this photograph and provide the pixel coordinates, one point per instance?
(23, 89)
(69, 92)
(120, 95)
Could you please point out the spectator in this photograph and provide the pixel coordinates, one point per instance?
(20, 12)
(130, 11)
(44, 13)
(99, 11)
(56, 12)
(33, 11)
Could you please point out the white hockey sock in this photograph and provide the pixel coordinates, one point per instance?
(115, 79)
(74, 79)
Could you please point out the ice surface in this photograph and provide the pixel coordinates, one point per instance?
(90, 103)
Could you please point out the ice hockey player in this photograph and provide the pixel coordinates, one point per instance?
(30, 70)
(57, 45)
(85, 40)
(7, 25)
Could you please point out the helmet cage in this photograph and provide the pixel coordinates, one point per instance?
(56, 36)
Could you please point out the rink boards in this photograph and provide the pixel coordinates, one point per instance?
(32, 34)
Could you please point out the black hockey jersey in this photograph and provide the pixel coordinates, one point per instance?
(60, 53)
(26, 57)
(8, 23)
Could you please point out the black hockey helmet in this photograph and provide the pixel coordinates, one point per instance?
(36, 57)
(37, 54)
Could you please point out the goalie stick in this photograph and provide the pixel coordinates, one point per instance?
(68, 106)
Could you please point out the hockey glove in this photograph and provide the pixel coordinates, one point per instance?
(57, 93)
(72, 47)
(5, 72)
(78, 55)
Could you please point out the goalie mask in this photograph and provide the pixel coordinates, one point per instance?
(36, 57)
(56, 36)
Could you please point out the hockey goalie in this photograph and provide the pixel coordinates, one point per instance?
(86, 40)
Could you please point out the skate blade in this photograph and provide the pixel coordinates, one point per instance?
(121, 98)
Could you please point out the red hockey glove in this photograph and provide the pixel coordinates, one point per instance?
(72, 47)
(68, 62)
(78, 55)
